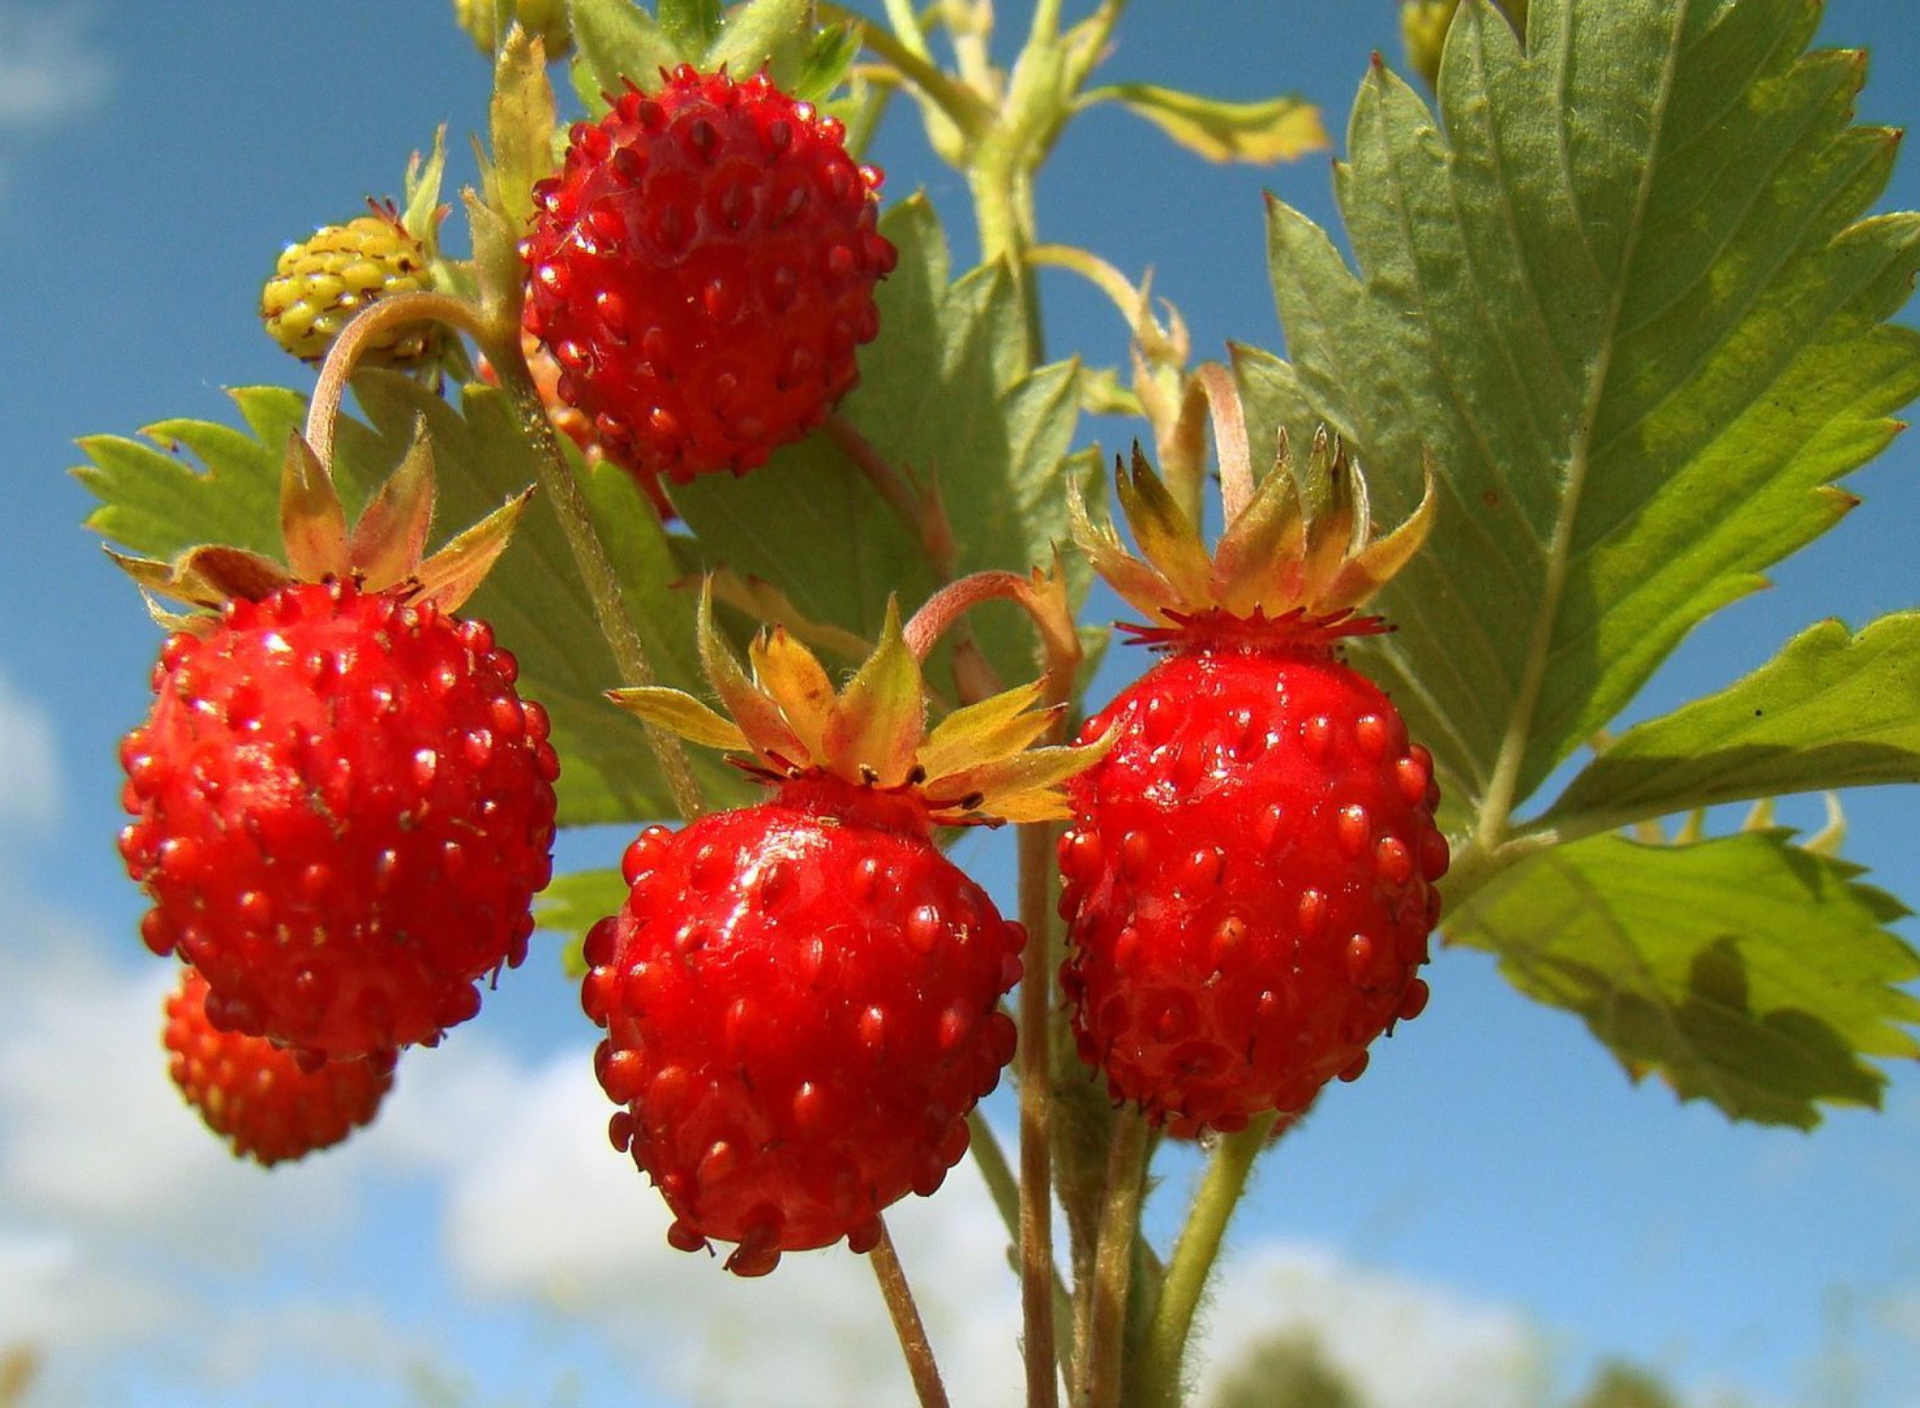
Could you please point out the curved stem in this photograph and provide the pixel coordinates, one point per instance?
(1158, 1370)
(1104, 1362)
(907, 1324)
(1230, 441)
(500, 341)
(343, 358)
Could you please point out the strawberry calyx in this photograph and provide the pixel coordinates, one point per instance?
(1297, 559)
(1217, 629)
(382, 552)
(790, 726)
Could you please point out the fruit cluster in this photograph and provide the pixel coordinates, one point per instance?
(343, 807)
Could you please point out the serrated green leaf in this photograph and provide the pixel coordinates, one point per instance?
(943, 397)
(1277, 129)
(158, 505)
(614, 41)
(572, 904)
(1625, 296)
(1833, 709)
(1743, 970)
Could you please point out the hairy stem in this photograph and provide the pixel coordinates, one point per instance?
(907, 1325)
(1037, 1275)
(1157, 1384)
(1103, 1361)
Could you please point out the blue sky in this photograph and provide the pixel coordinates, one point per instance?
(1492, 1207)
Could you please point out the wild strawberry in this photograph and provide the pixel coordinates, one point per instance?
(258, 1097)
(801, 997)
(321, 282)
(1250, 876)
(703, 268)
(342, 806)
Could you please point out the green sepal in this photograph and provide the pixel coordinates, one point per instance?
(999, 724)
(776, 35)
(616, 42)
(313, 521)
(522, 127)
(680, 713)
(389, 539)
(792, 674)
(760, 717)
(1282, 128)
(456, 571)
(875, 733)
(690, 25)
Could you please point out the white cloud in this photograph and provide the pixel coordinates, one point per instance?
(542, 1207)
(95, 1139)
(29, 766)
(1448, 1351)
(50, 68)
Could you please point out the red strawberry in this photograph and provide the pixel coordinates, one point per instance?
(702, 269)
(1250, 878)
(802, 997)
(342, 811)
(258, 1097)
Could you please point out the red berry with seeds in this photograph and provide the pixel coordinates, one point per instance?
(801, 1003)
(702, 269)
(1250, 877)
(342, 809)
(259, 1097)
(802, 997)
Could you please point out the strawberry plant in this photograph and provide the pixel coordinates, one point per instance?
(796, 557)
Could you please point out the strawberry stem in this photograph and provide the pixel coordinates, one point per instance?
(907, 1325)
(1230, 440)
(1158, 1369)
(502, 348)
(343, 357)
(1103, 1361)
(563, 491)
(1038, 1278)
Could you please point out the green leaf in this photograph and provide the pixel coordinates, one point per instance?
(942, 399)
(614, 41)
(157, 505)
(572, 904)
(1743, 970)
(1623, 293)
(1833, 709)
(1278, 129)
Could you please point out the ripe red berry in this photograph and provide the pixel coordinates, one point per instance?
(258, 1097)
(342, 809)
(702, 269)
(801, 1003)
(1250, 881)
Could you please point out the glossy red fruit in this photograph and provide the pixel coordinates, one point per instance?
(258, 1097)
(702, 269)
(342, 810)
(801, 1003)
(1250, 882)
